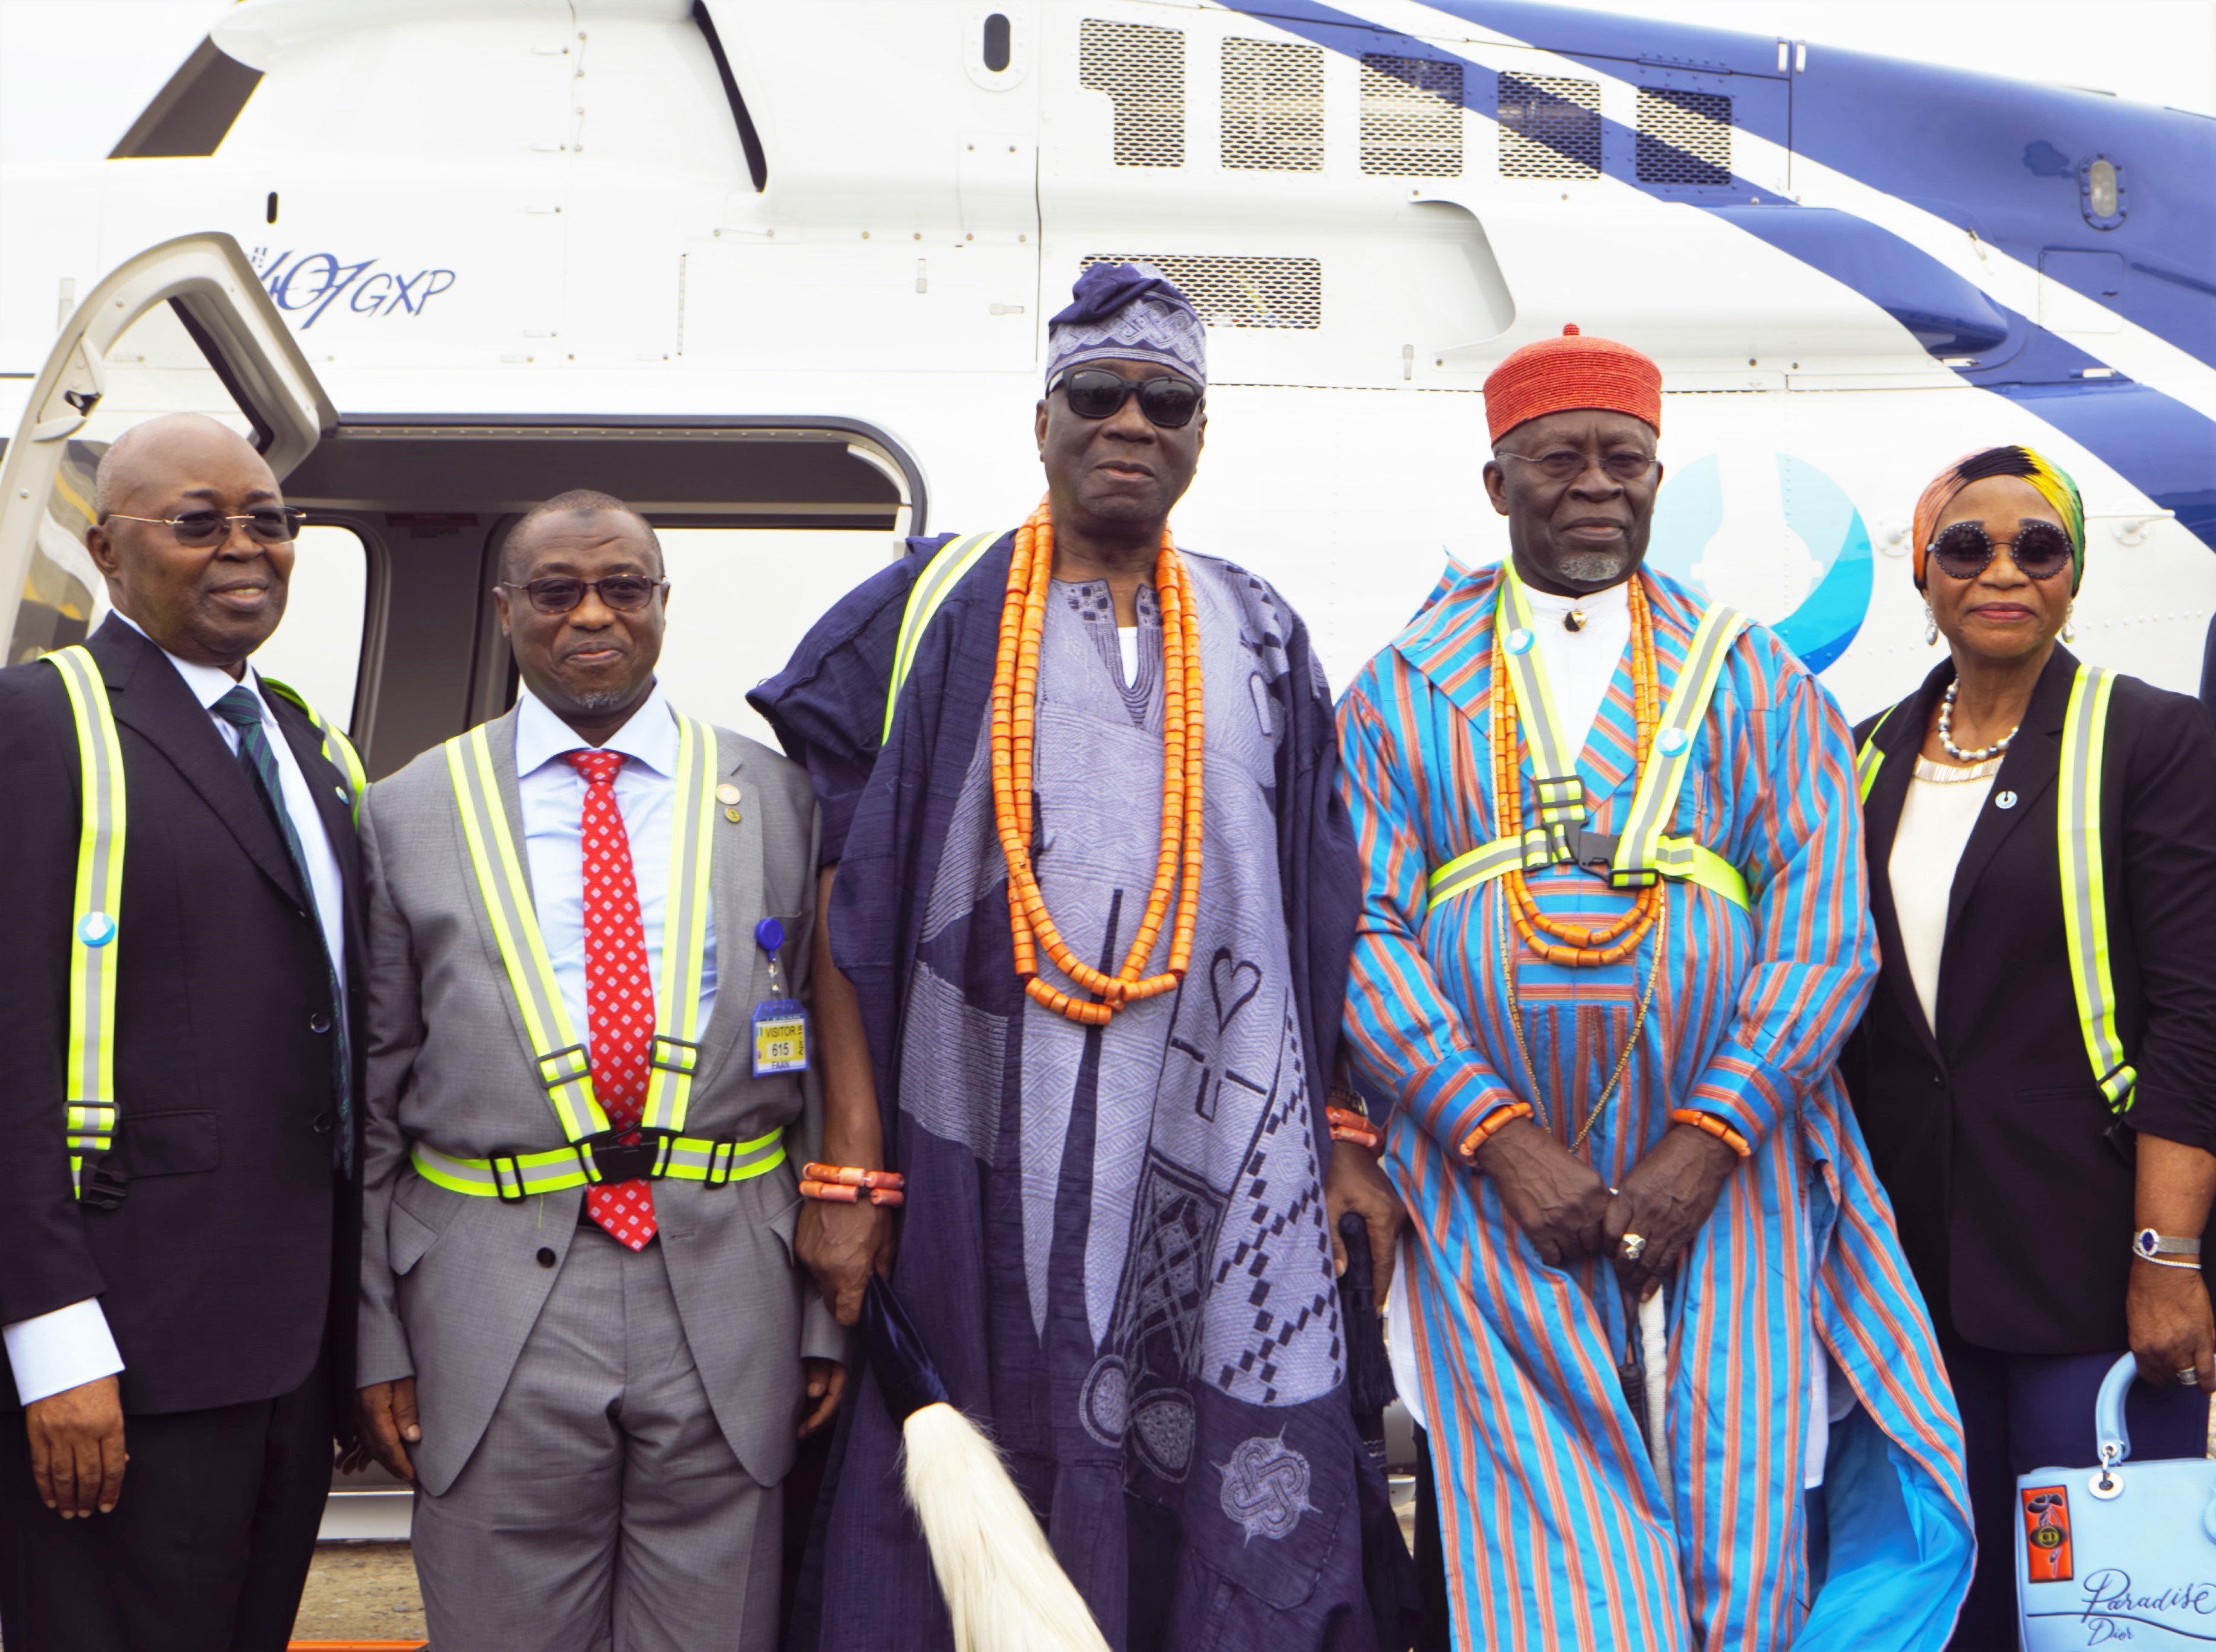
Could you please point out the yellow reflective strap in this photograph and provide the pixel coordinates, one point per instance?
(1554, 768)
(932, 587)
(677, 1049)
(1637, 846)
(2084, 882)
(89, 1117)
(1870, 759)
(1679, 858)
(519, 1175)
(557, 1056)
(336, 747)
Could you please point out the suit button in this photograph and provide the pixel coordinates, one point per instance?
(545, 1257)
(322, 1123)
(319, 1023)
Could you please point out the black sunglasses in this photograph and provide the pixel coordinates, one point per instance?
(559, 593)
(1094, 393)
(2040, 549)
(271, 525)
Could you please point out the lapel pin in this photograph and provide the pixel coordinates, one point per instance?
(2004, 800)
(731, 815)
(727, 794)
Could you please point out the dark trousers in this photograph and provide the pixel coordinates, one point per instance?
(209, 1544)
(2023, 1412)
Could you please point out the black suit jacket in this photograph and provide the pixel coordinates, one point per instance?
(233, 1252)
(2014, 1196)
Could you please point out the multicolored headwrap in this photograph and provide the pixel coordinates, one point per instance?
(2053, 481)
(1557, 374)
(1124, 312)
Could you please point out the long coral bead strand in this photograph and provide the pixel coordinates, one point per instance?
(1014, 736)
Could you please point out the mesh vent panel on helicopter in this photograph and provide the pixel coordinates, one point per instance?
(1683, 137)
(1549, 126)
(1238, 292)
(1141, 68)
(1273, 106)
(1410, 117)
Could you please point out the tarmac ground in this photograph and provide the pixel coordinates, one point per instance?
(360, 1592)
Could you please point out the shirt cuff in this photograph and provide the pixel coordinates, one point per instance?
(61, 1350)
(1453, 1098)
(1735, 1090)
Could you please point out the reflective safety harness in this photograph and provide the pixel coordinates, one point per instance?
(2084, 874)
(925, 598)
(89, 1065)
(593, 1153)
(1640, 854)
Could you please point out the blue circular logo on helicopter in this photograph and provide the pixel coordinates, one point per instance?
(1774, 537)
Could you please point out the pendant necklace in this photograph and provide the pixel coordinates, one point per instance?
(1947, 732)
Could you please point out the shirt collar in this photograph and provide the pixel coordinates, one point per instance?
(209, 683)
(650, 737)
(1613, 599)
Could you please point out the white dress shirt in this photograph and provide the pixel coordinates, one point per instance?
(73, 1346)
(1937, 817)
(1580, 664)
(553, 797)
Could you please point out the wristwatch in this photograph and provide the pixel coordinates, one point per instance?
(2151, 1247)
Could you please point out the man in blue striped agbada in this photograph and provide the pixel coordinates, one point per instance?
(1614, 933)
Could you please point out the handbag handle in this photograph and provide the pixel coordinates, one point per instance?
(2109, 1429)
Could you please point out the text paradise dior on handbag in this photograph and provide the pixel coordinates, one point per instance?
(2122, 1555)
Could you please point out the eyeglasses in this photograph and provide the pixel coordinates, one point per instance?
(2040, 550)
(559, 593)
(1094, 393)
(1624, 465)
(272, 525)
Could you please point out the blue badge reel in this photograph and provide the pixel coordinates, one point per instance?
(780, 1023)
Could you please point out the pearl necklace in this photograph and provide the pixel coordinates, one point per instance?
(1947, 732)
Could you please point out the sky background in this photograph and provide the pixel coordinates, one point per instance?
(75, 73)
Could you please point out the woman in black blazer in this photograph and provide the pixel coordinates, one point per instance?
(2019, 1191)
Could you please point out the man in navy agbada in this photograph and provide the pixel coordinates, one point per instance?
(1114, 1239)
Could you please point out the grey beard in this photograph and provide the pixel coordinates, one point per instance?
(1601, 568)
(605, 699)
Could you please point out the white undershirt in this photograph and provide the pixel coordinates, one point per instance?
(1937, 817)
(1127, 637)
(1580, 664)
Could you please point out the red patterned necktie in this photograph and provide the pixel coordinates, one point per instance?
(618, 993)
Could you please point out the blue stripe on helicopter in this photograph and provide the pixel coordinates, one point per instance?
(2162, 447)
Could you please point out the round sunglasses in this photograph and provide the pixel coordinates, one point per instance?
(2040, 550)
(1095, 393)
(559, 593)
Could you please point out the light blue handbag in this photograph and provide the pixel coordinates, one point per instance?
(2123, 1555)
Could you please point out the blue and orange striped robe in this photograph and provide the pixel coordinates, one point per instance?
(1554, 1532)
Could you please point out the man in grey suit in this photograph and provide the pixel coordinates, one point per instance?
(583, 1337)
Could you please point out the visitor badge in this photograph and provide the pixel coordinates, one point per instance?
(780, 1036)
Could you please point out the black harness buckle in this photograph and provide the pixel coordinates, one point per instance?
(618, 1161)
(1591, 851)
(102, 1182)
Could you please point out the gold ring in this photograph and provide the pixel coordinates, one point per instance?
(1634, 1247)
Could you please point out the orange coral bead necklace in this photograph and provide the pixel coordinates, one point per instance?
(1574, 944)
(1177, 865)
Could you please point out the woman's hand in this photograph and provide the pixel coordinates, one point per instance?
(1666, 1200)
(2167, 1312)
(1556, 1198)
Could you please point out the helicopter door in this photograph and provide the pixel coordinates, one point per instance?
(184, 327)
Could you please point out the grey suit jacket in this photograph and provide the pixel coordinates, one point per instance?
(450, 1283)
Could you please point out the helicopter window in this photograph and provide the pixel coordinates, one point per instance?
(996, 42)
(317, 649)
(1683, 137)
(1273, 106)
(1141, 68)
(1410, 117)
(1549, 126)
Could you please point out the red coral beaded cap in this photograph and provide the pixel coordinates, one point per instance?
(1556, 374)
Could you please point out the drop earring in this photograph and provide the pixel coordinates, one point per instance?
(1930, 626)
(2069, 631)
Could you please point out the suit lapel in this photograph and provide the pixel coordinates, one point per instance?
(734, 876)
(326, 785)
(1901, 739)
(148, 695)
(2028, 771)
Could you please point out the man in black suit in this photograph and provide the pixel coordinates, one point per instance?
(191, 1316)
